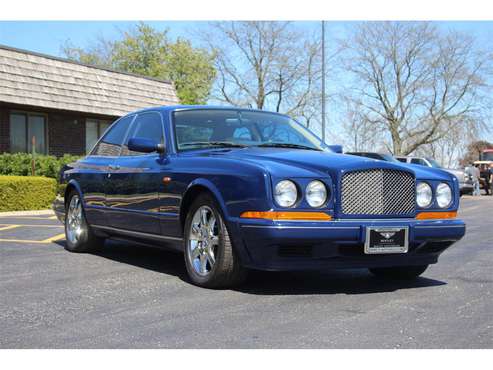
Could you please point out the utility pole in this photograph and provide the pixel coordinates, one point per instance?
(323, 81)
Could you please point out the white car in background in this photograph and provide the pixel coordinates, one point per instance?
(465, 180)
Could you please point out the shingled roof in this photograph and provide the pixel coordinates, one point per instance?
(39, 80)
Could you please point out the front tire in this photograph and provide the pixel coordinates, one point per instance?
(399, 273)
(210, 258)
(78, 234)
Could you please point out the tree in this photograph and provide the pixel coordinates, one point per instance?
(359, 136)
(415, 82)
(266, 65)
(451, 145)
(474, 150)
(148, 52)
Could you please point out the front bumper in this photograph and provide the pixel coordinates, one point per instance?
(268, 245)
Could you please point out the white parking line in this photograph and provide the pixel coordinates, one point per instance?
(49, 240)
(9, 227)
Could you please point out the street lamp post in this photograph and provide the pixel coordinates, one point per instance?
(323, 81)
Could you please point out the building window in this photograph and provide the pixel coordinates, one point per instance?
(94, 130)
(23, 128)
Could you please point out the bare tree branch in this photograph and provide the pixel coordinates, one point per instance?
(415, 82)
(267, 65)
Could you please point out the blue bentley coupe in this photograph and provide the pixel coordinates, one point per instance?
(237, 189)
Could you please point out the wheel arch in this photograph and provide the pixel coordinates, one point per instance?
(72, 185)
(195, 188)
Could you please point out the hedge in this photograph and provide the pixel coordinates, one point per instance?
(19, 164)
(21, 193)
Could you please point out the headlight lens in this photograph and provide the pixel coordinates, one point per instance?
(444, 195)
(286, 193)
(316, 194)
(424, 195)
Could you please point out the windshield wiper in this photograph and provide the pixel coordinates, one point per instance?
(287, 145)
(224, 144)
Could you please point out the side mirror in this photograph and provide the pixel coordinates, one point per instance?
(143, 145)
(335, 148)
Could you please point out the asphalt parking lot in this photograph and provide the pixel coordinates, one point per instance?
(138, 297)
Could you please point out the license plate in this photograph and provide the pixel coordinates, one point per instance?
(382, 240)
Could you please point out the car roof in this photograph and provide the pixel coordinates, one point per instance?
(173, 108)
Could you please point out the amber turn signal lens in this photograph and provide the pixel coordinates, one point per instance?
(286, 216)
(436, 215)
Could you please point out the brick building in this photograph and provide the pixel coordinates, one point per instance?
(66, 105)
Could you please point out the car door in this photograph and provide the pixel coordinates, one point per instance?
(135, 180)
(95, 169)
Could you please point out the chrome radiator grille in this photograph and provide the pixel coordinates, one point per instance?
(378, 192)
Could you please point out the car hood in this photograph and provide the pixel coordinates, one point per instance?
(307, 163)
(460, 174)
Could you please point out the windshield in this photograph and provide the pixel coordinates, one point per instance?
(433, 163)
(487, 156)
(379, 156)
(202, 128)
(389, 158)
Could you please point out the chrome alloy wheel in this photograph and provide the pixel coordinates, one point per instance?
(203, 241)
(75, 227)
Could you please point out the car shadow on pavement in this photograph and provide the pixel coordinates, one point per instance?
(146, 257)
(356, 281)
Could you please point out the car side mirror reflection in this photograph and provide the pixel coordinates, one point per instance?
(143, 145)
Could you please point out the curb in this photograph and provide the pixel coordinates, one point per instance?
(43, 212)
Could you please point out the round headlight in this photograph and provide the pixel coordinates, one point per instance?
(444, 195)
(424, 195)
(286, 193)
(316, 193)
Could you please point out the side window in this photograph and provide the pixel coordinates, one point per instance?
(110, 144)
(146, 126)
(94, 130)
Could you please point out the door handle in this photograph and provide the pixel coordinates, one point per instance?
(114, 167)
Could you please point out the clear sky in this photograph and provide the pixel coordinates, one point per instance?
(48, 36)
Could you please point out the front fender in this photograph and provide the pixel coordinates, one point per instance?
(230, 206)
(209, 185)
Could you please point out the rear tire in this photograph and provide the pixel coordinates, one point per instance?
(210, 257)
(78, 234)
(399, 273)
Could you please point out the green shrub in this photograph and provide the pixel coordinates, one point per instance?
(21, 193)
(19, 164)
